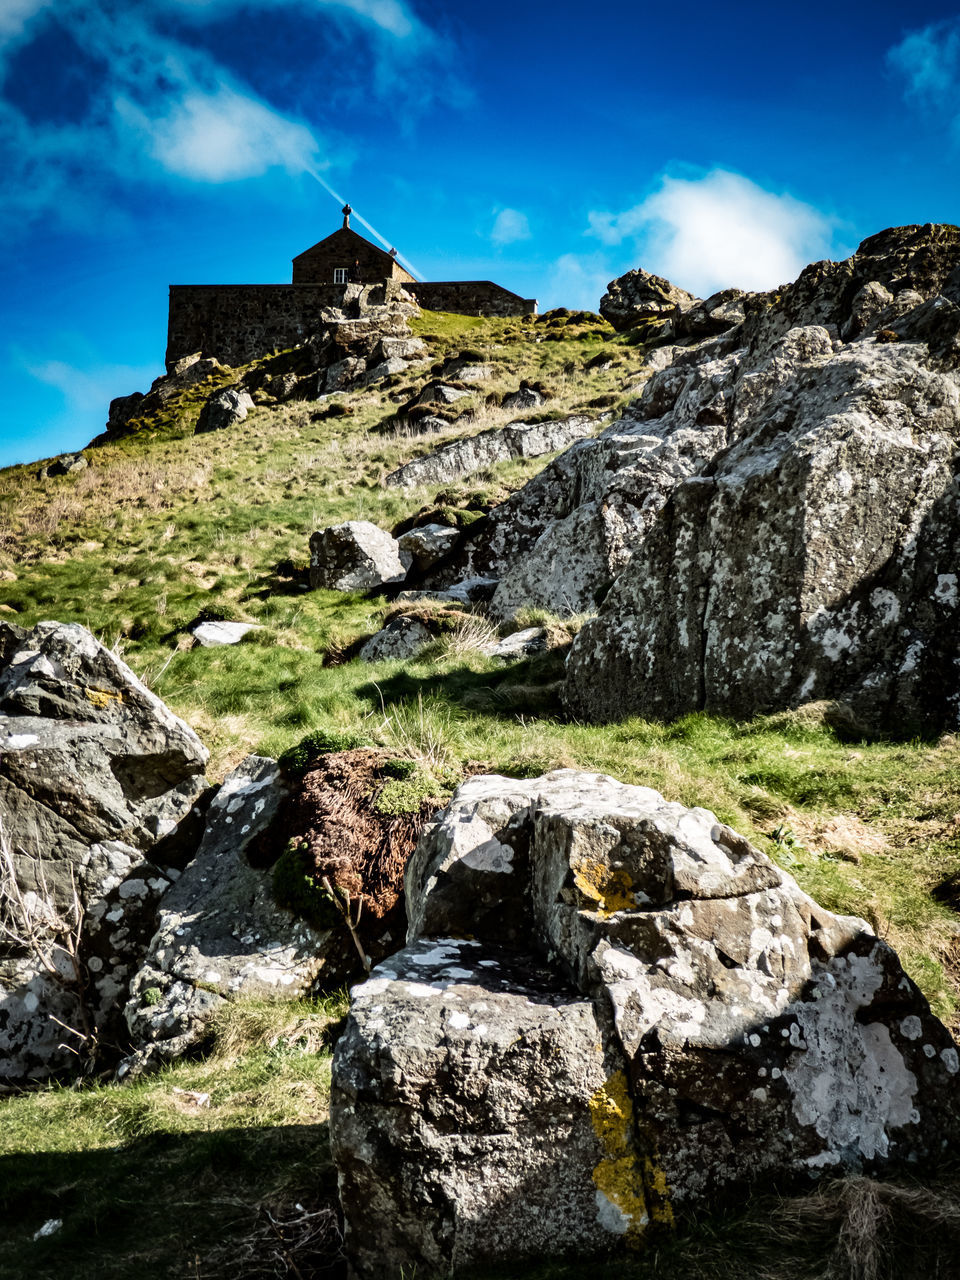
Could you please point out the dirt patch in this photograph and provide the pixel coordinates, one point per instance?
(341, 854)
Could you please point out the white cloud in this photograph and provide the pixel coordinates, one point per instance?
(16, 14)
(929, 60)
(718, 231)
(165, 105)
(509, 226)
(221, 136)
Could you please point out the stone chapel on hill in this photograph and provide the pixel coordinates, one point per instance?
(241, 322)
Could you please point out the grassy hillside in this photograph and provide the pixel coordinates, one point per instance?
(165, 527)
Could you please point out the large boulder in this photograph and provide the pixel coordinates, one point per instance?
(220, 933)
(98, 787)
(815, 556)
(639, 296)
(560, 541)
(699, 1025)
(355, 556)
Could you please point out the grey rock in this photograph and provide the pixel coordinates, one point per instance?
(401, 348)
(524, 398)
(428, 543)
(468, 1073)
(816, 560)
(472, 590)
(213, 634)
(464, 370)
(712, 1024)
(65, 465)
(219, 932)
(343, 373)
(561, 540)
(520, 644)
(122, 409)
(98, 780)
(224, 409)
(402, 637)
(378, 372)
(355, 556)
(499, 444)
(639, 296)
(715, 315)
(437, 393)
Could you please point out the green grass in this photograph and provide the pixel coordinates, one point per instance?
(146, 1182)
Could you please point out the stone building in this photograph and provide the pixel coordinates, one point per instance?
(241, 322)
(347, 258)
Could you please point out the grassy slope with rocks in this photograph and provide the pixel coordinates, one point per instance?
(164, 527)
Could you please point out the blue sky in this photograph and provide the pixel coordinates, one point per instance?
(549, 147)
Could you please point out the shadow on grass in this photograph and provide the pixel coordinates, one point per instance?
(531, 686)
(173, 1206)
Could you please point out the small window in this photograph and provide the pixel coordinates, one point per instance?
(339, 275)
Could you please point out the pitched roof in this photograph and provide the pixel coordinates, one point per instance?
(344, 238)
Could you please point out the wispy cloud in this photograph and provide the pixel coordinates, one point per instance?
(159, 104)
(220, 136)
(929, 61)
(389, 15)
(717, 231)
(577, 280)
(510, 225)
(89, 391)
(16, 14)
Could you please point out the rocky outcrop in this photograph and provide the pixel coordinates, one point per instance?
(67, 464)
(812, 553)
(499, 444)
(185, 373)
(98, 787)
(219, 932)
(224, 409)
(701, 1025)
(560, 541)
(639, 296)
(355, 556)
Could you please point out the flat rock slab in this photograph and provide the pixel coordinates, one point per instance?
(211, 634)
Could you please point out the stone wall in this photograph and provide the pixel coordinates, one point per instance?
(471, 298)
(241, 322)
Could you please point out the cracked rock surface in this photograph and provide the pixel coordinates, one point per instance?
(611, 1008)
(220, 933)
(98, 783)
(813, 554)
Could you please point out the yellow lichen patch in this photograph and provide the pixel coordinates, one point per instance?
(658, 1193)
(101, 698)
(619, 1176)
(635, 1189)
(610, 890)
